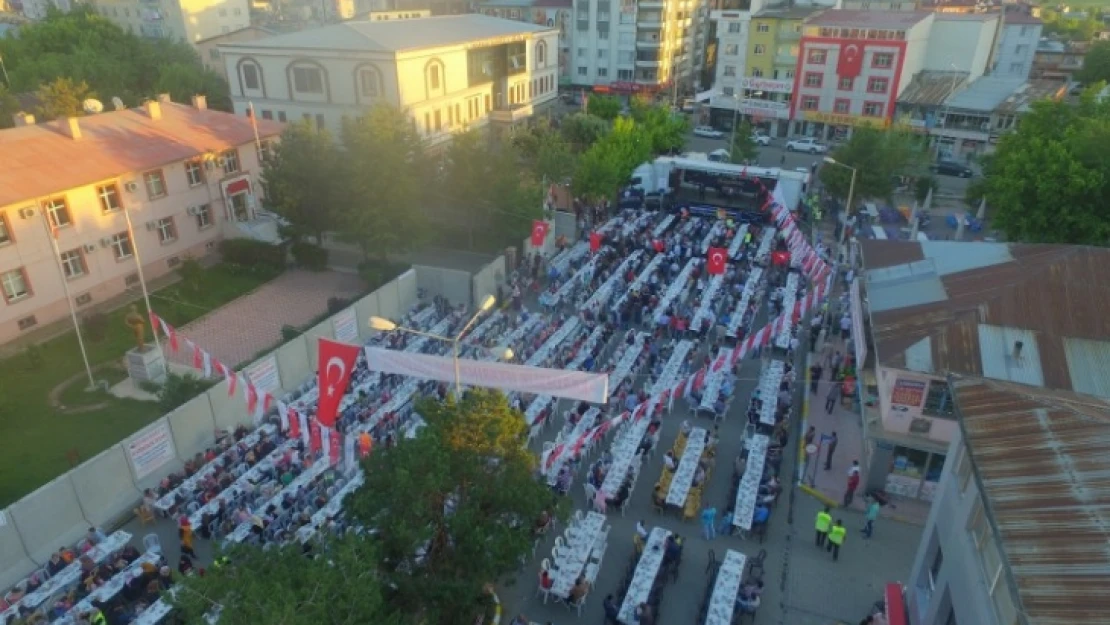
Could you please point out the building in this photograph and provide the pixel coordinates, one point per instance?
(1017, 45)
(921, 104)
(449, 73)
(923, 310)
(550, 13)
(37, 9)
(186, 177)
(385, 16)
(1016, 534)
(972, 120)
(1058, 60)
(209, 49)
(186, 20)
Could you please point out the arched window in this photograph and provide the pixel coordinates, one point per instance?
(250, 76)
(368, 82)
(541, 55)
(308, 80)
(434, 78)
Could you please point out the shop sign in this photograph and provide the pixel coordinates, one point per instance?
(908, 393)
(837, 119)
(766, 84)
(765, 108)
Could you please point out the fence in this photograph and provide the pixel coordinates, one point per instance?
(108, 487)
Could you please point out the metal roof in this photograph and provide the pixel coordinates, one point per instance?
(931, 88)
(787, 12)
(985, 94)
(1089, 366)
(869, 19)
(1040, 457)
(1053, 292)
(1003, 361)
(1020, 100)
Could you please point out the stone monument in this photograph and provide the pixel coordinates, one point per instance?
(144, 362)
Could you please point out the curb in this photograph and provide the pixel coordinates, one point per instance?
(818, 495)
(805, 422)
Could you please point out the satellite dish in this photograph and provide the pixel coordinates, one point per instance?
(117, 103)
(92, 106)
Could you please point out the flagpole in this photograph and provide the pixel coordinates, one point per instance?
(53, 234)
(254, 127)
(142, 285)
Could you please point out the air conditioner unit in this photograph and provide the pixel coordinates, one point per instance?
(89, 249)
(130, 187)
(105, 242)
(26, 213)
(151, 225)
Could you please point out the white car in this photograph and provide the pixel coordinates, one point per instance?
(761, 139)
(708, 132)
(808, 144)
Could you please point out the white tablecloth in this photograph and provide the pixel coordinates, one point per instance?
(111, 588)
(671, 370)
(305, 478)
(683, 477)
(479, 333)
(766, 240)
(562, 261)
(586, 349)
(789, 297)
(718, 228)
(748, 493)
(584, 425)
(528, 327)
(581, 278)
(644, 577)
(677, 287)
(569, 327)
(769, 382)
(641, 279)
(245, 481)
(330, 509)
(189, 485)
(722, 603)
(715, 379)
(623, 451)
(626, 361)
(707, 300)
(738, 241)
(607, 288)
(580, 539)
(662, 226)
(632, 226)
(72, 573)
(751, 287)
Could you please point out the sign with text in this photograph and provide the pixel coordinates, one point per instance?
(765, 108)
(264, 375)
(346, 326)
(150, 449)
(838, 119)
(908, 393)
(766, 84)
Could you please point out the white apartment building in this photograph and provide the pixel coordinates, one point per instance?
(37, 9)
(625, 46)
(1013, 58)
(449, 73)
(185, 20)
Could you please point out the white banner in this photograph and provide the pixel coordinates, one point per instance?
(346, 326)
(264, 376)
(150, 449)
(860, 341)
(766, 84)
(590, 387)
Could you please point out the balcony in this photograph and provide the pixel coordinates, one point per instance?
(510, 114)
(789, 34)
(651, 4)
(786, 59)
(648, 43)
(649, 21)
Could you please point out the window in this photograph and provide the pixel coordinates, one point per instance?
(759, 49)
(281, 116)
(581, 71)
(813, 79)
(308, 80)
(15, 285)
(581, 53)
(730, 70)
(203, 216)
(603, 53)
(845, 84)
(938, 400)
(757, 73)
(625, 56)
(167, 233)
(626, 39)
(84, 299)
(433, 76)
(250, 76)
(809, 103)
(155, 184)
(109, 198)
(194, 172)
(882, 60)
(763, 28)
(816, 57)
(214, 54)
(267, 114)
(237, 12)
(541, 54)
(121, 245)
(28, 322)
(732, 49)
(223, 12)
(872, 109)
(5, 230)
(73, 264)
(1015, 68)
(438, 120)
(877, 85)
(602, 72)
(1025, 30)
(57, 212)
(842, 106)
(230, 160)
(368, 83)
(1021, 48)
(934, 568)
(734, 27)
(624, 74)
(728, 91)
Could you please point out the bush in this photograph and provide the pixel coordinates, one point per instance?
(310, 256)
(336, 304)
(176, 389)
(250, 253)
(95, 326)
(191, 273)
(288, 333)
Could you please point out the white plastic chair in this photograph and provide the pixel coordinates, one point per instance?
(578, 515)
(559, 542)
(151, 542)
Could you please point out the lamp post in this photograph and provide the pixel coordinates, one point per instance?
(385, 325)
(847, 209)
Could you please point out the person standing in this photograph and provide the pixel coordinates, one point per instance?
(836, 539)
(815, 377)
(811, 434)
(709, 522)
(872, 515)
(822, 525)
(185, 533)
(829, 455)
(853, 484)
(832, 397)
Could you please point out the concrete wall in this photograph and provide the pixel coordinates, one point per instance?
(109, 485)
(450, 283)
(486, 280)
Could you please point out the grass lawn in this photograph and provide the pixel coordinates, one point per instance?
(38, 439)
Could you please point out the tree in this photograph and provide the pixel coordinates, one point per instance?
(306, 182)
(665, 130)
(389, 172)
(878, 156)
(609, 163)
(743, 148)
(9, 106)
(1046, 182)
(923, 186)
(1096, 64)
(606, 107)
(337, 585)
(582, 131)
(454, 508)
(62, 98)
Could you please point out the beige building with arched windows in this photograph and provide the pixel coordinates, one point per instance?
(448, 73)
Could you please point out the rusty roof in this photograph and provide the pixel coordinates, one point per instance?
(41, 160)
(1041, 459)
(1032, 91)
(966, 295)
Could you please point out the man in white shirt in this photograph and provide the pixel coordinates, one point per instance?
(642, 529)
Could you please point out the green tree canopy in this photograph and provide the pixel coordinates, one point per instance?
(606, 107)
(62, 97)
(1047, 182)
(743, 147)
(284, 587)
(665, 130)
(609, 162)
(1096, 64)
(454, 508)
(878, 156)
(305, 182)
(582, 130)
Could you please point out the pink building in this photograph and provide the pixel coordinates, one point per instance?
(185, 175)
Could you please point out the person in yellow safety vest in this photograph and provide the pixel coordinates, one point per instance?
(97, 617)
(836, 538)
(824, 520)
(220, 562)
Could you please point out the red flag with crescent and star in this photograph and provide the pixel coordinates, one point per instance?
(539, 232)
(717, 258)
(850, 61)
(336, 362)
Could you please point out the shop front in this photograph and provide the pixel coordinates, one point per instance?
(835, 126)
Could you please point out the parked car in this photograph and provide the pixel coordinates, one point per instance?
(952, 168)
(806, 144)
(720, 156)
(761, 139)
(708, 132)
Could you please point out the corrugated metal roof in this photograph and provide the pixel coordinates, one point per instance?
(930, 88)
(919, 356)
(910, 284)
(869, 19)
(1021, 100)
(1089, 366)
(1041, 458)
(985, 94)
(1002, 360)
(955, 257)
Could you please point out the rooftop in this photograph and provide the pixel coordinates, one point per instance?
(41, 160)
(397, 35)
(869, 19)
(931, 88)
(1020, 100)
(950, 307)
(787, 12)
(1017, 17)
(984, 94)
(235, 33)
(966, 17)
(1041, 460)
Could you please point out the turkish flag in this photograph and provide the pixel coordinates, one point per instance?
(718, 258)
(336, 451)
(314, 443)
(539, 232)
(337, 361)
(595, 241)
(850, 61)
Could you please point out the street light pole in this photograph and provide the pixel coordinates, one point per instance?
(847, 209)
